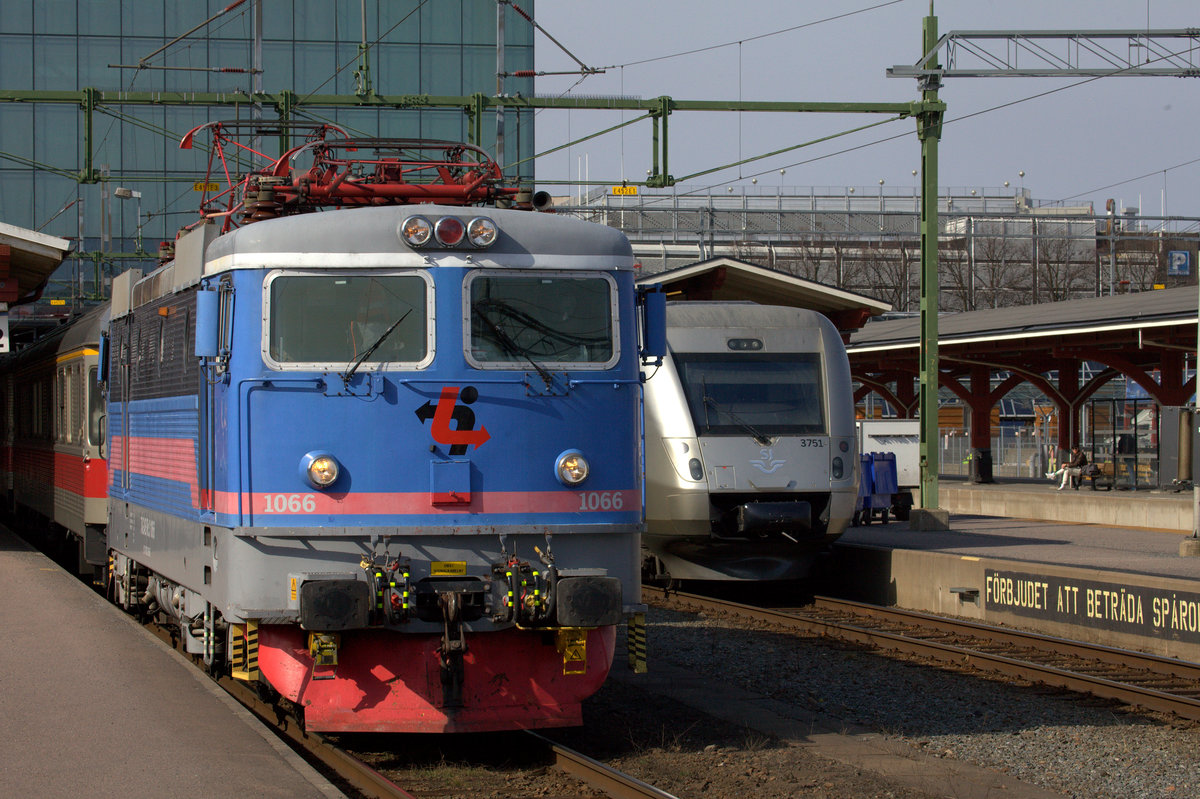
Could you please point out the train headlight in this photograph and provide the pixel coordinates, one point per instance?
(572, 468)
(838, 468)
(416, 231)
(320, 469)
(481, 232)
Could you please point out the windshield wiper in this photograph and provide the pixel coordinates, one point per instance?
(506, 341)
(759, 437)
(349, 373)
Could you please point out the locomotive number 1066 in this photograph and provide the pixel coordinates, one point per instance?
(290, 503)
(601, 500)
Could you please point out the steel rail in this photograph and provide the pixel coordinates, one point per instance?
(371, 783)
(1183, 706)
(598, 775)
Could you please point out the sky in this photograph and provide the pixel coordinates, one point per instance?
(1132, 139)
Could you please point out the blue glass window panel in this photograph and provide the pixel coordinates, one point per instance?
(399, 69)
(441, 22)
(16, 131)
(441, 71)
(15, 208)
(54, 16)
(144, 146)
(95, 54)
(360, 122)
(314, 20)
(444, 124)
(16, 60)
(56, 136)
(479, 66)
(100, 17)
(17, 17)
(314, 65)
(477, 23)
(400, 124)
(277, 65)
(398, 22)
(54, 64)
(139, 18)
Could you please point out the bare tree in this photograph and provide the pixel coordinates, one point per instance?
(1063, 269)
(954, 276)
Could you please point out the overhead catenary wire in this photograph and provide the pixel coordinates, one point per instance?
(739, 42)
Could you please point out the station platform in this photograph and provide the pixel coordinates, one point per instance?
(1157, 509)
(94, 705)
(1007, 559)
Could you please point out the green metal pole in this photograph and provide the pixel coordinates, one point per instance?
(929, 130)
(90, 97)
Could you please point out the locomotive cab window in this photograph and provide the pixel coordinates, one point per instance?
(560, 320)
(326, 321)
(755, 393)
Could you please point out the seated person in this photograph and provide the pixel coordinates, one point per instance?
(1072, 470)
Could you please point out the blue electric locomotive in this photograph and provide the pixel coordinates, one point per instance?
(386, 459)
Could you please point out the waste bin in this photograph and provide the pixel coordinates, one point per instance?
(981, 466)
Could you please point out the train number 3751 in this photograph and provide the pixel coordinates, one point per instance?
(290, 503)
(601, 500)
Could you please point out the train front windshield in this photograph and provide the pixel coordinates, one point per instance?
(336, 318)
(563, 321)
(768, 394)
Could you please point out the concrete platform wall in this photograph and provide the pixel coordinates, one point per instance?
(1112, 508)
(1082, 604)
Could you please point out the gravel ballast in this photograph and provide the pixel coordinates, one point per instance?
(1063, 742)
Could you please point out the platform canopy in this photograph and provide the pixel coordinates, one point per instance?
(27, 259)
(1146, 337)
(728, 279)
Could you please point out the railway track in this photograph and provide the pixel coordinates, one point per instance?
(369, 782)
(1147, 681)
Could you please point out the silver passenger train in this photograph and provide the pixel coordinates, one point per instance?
(751, 455)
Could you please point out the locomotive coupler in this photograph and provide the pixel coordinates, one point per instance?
(452, 649)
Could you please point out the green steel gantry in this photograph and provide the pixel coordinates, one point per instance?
(928, 111)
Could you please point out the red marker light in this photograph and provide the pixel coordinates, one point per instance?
(449, 231)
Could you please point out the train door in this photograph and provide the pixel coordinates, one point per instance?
(213, 375)
(126, 355)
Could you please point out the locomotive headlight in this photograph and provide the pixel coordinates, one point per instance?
(481, 232)
(572, 468)
(320, 469)
(416, 231)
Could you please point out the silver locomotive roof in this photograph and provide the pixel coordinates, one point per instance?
(369, 237)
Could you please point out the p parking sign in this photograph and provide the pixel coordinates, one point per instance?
(1179, 262)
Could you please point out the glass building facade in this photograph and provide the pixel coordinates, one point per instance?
(308, 47)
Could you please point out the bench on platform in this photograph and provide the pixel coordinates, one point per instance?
(1102, 478)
